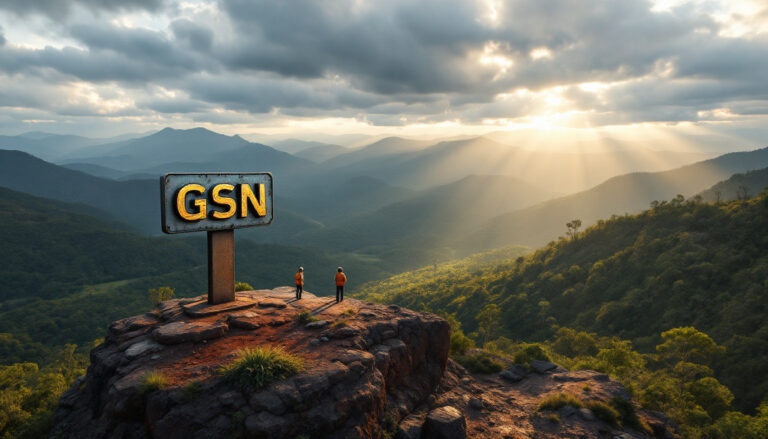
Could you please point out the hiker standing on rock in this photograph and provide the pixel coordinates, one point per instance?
(341, 279)
(299, 283)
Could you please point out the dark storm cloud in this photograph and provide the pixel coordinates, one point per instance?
(112, 54)
(427, 60)
(58, 8)
(416, 47)
(199, 38)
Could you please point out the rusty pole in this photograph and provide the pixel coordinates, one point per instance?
(221, 266)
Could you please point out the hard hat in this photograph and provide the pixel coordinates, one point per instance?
(301, 268)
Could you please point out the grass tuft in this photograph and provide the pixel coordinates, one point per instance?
(480, 363)
(628, 415)
(606, 413)
(553, 418)
(340, 323)
(256, 367)
(152, 381)
(243, 286)
(557, 400)
(349, 312)
(305, 317)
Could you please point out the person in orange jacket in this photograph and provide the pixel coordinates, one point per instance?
(299, 283)
(341, 280)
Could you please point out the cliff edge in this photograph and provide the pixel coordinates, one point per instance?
(370, 371)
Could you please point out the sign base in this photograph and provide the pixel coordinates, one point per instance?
(221, 266)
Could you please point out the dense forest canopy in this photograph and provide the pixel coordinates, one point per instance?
(680, 263)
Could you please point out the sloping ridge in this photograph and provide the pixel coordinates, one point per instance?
(628, 193)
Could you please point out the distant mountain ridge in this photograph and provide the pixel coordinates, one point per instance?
(629, 193)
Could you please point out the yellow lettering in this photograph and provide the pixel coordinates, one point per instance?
(223, 201)
(247, 195)
(181, 203)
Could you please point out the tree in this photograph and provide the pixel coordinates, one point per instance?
(718, 195)
(489, 322)
(742, 193)
(157, 295)
(573, 228)
(687, 344)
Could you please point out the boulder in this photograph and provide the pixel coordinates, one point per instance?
(445, 423)
(182, 332)
(542, 366)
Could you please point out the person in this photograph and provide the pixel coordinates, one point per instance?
(299, 283)
(341, 279)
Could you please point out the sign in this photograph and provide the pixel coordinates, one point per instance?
(208, 202)
(216, 204)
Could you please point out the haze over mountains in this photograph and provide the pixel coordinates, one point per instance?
(447, 196)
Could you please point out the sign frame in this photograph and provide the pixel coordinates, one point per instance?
(171, 224)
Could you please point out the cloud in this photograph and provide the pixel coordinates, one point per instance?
(401, 61)
(58, 8)
(198, 37)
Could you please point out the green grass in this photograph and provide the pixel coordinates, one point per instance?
(557, 400)
(605, 413)
(628, 415)
(152, 381)
(256, 367)
(305, 317)
(340, 323)
(243, 286)
(480, 363)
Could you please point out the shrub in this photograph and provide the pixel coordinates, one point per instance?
(243, 286)
(557, 400)
(157, 295)
(628, 415)
(305, 317)
(340, 323)
(256, 367)
(460, 343)
(152, 381)
(605, 413)
(480, 363)
(530, 352)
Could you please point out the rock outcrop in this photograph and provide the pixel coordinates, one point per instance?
(371, 371)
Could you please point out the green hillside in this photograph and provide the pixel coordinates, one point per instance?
(678, 264)
(630, 193)
(52, 248)
(65, 274)
(738, 186)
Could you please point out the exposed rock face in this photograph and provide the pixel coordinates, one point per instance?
(372, 371)
(380, 366)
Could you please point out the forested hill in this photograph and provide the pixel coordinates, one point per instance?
(678, 264)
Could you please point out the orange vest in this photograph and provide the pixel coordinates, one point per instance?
(300, 279)
(341, 279)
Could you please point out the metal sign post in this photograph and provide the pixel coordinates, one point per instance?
(216, 204)
(221, 266)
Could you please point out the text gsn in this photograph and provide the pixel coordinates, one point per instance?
(240, 201)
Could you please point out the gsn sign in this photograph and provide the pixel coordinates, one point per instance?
(210, 202)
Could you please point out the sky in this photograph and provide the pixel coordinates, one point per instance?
(626, 68)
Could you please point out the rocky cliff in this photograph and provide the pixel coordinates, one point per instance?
(370, 371)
